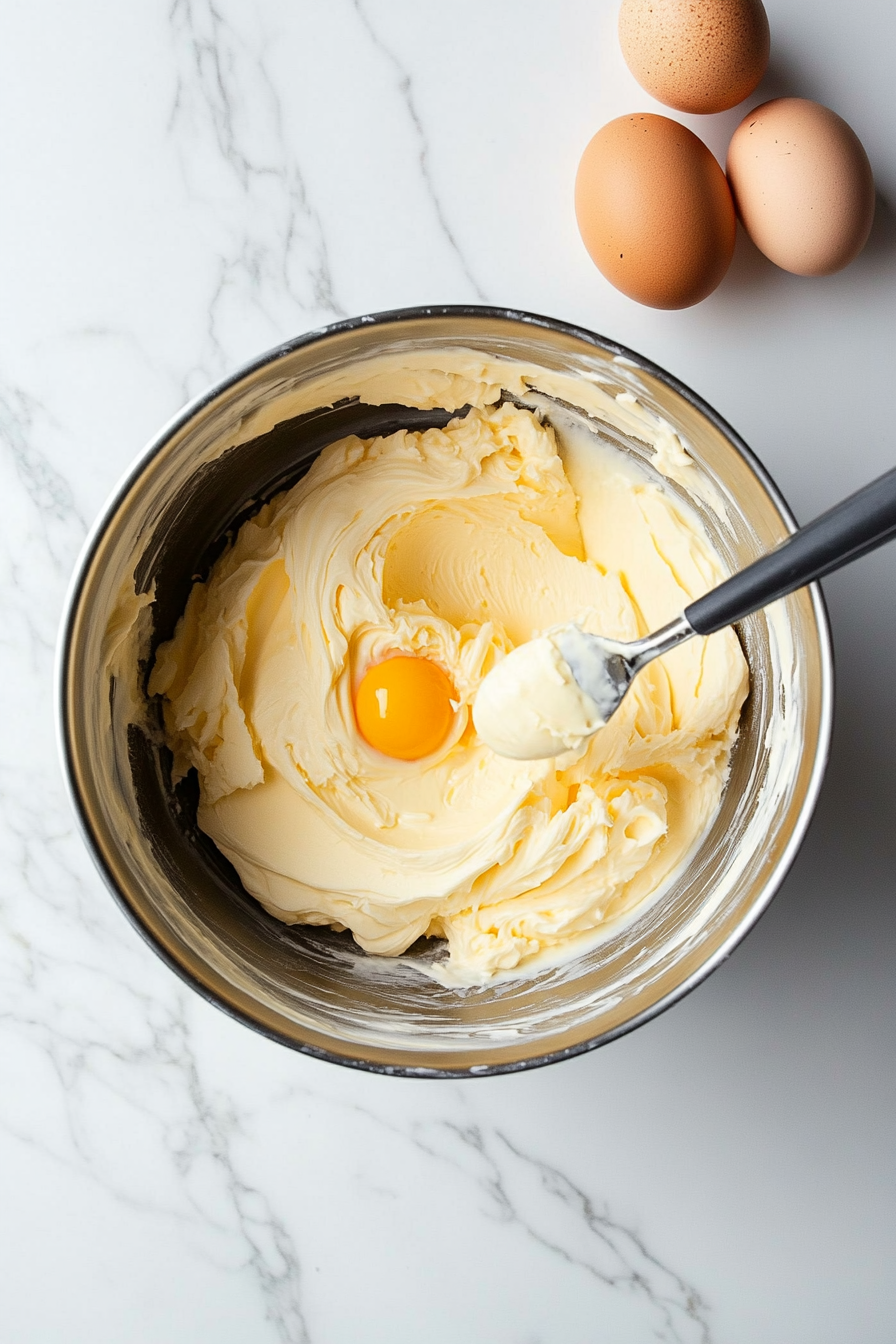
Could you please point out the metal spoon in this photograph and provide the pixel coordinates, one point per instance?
(527, 684)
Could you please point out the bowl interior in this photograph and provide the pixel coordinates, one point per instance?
(315, 989)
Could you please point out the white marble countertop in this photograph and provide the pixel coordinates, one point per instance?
(184, 184)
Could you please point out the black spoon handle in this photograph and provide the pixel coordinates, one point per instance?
(860, 524)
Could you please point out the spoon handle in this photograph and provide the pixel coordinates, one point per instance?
(858, 525)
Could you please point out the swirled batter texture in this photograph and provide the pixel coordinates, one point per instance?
(456, 544)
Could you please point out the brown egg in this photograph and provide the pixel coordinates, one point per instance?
(802, 184)
(695, 55)
(654, 211)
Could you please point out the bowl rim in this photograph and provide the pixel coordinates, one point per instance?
(270, 357)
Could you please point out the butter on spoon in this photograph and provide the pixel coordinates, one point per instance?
(552, 693)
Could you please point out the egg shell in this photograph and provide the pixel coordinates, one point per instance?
(802, 185)
(695, 55)
(654, 211)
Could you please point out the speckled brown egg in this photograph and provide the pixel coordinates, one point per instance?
(802, 185)
(654, 211)
(695, 55)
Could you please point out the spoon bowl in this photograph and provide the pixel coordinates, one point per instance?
(552, 693)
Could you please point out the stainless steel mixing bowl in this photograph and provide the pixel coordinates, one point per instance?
(312, 988)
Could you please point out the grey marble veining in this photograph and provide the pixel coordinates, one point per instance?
(185, 185)
(406, 89)
(227, 126)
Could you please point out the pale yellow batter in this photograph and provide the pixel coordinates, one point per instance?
(457, 544)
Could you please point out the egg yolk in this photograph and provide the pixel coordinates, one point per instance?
(403, 706)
